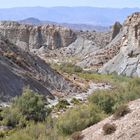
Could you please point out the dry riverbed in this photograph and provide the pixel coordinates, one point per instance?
(84, 95)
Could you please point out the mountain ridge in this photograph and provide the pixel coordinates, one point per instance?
(76, 27)
(91, 15)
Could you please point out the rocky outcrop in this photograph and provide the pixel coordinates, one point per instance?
(31, 38)
(116, 29)
(127, 127)
(82, 52)
(127, 61)
(19, 69)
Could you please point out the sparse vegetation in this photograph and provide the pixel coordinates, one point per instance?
(100, 104)
(62, 104)
(109, 128)
(67, 68)
(75, 101)
(15, 58)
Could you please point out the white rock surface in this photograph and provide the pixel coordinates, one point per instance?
(127, 61)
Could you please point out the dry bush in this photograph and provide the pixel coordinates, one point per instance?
(121, 111)
(77, 136)
(109, 128)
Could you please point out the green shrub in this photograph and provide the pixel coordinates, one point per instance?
(121, 111)
(77, 69)
(2, 134)
(109, 128)
(110, 100)
(28, 107)
(37, 131)
(11, 117)
(62, 104)
(22, 122)
(104, 99)
(79, 118)
(31, 105)
(75, 101)
(67, 68)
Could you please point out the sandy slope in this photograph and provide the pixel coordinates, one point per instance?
(128, 127)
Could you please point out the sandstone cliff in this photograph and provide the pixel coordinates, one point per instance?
(127, 61)
(30, 38)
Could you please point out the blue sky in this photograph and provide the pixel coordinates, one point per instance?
(52, 3)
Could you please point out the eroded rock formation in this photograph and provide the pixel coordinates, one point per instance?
(127, 61)
(82, 52)
(31, 38)
(116, 29)
(117, 51)
(52, 42)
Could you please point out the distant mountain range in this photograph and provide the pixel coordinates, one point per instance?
(73, 15)
(35, 21)
(77, 27)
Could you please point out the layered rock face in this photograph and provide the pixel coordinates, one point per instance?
(127, 61)
(32, 38)
(19, 69)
